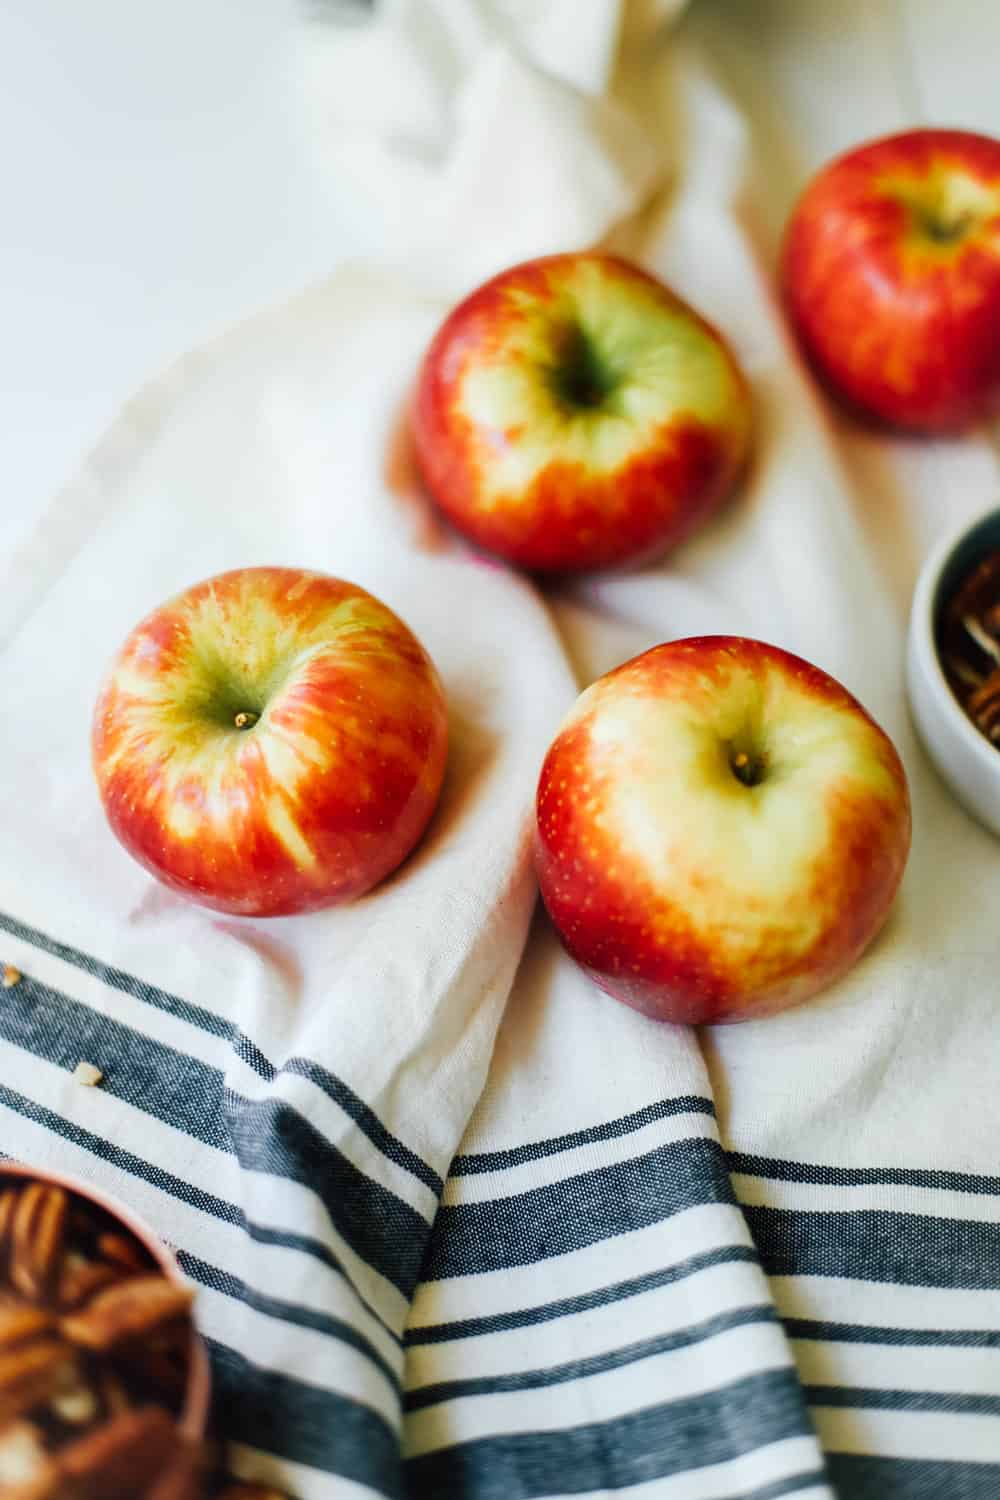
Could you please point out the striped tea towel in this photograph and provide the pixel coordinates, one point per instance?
(461, 1226)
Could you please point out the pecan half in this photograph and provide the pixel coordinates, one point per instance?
(121, 1251)
(131, 1309)
(984, 705)
(120, 1459)
(36, 1238)
(80, 1279)
(20, 1322)
(32, 1374)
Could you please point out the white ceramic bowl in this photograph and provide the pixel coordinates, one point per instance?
(965, 758)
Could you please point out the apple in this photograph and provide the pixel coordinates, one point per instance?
(270, 741)
(574, 414)
(721, 829)
(891, 277)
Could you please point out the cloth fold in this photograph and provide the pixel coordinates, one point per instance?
(459, 1225)
(473, 136)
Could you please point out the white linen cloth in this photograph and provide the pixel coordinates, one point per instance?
(284, 1100)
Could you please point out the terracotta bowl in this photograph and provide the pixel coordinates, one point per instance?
(193, 1417)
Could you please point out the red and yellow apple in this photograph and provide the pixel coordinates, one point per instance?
(891, 277)
(721, 829)
(574, 414)
(270, 741)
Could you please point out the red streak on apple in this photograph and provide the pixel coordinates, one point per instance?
(891, 276)
(573, 414)
(270, 741)
(692, 895)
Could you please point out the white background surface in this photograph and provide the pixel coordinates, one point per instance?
(159, 181)
(156, 186)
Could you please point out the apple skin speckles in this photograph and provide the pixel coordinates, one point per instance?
(694, 897)
(891, 278)
(573, 414)
(271, 741)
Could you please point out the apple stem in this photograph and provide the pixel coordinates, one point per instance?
(746, 768)
(245, 720)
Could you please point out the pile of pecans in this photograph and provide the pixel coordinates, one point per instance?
(95, 1347)
(969, 645)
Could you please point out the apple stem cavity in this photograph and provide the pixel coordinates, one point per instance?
(747, 768)
(945, 231)
(582, 378)
(245, 719)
